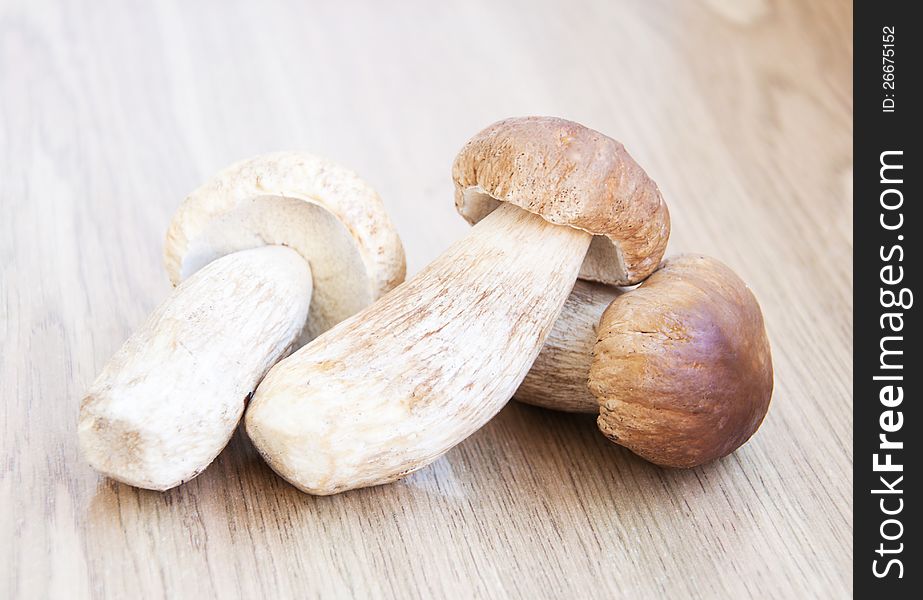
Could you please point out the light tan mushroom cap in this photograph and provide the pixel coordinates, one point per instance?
(569, 175)
(682, 369)
(324, 211)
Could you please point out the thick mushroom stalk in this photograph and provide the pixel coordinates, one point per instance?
(392, 388)
(168, 401)
(679, 369)
(266, 254)
(558, 377)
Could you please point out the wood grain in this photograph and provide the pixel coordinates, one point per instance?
(110, 112)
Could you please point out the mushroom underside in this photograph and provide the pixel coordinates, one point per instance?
(603, 262)
(342, 285)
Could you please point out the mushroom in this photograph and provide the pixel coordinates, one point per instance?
(267, 254)
(392, 388)
(678, 369)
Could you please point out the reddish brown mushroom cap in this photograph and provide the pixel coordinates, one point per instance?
(682, 369)
(569, 175)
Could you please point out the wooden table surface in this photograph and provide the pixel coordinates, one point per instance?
(110, 112)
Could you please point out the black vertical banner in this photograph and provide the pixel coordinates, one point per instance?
(888, 370)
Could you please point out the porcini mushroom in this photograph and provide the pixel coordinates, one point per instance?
(680, 369)
(268, 253)
(392, 388)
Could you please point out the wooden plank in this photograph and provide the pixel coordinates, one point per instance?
(110, 113)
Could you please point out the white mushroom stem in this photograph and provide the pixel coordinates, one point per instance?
(392, 388)
(168, 401)
(558, 378)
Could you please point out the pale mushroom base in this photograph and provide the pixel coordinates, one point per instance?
(169, 400)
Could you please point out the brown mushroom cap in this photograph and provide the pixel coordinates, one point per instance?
(682, 369)
(569, 175)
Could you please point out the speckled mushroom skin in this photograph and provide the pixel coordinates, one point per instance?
(389, 390)
(682, 369)
(570, 175)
